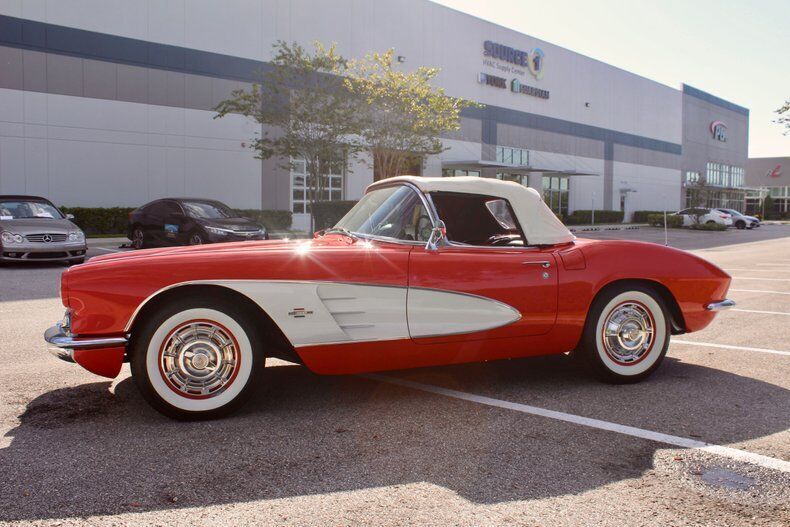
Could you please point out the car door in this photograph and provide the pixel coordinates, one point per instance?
(174, 228)
(456, 292)
(463, 289)
(152, 222)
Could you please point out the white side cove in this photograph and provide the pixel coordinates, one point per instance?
(435, 313)
(315, 313)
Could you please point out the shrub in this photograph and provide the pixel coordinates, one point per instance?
(708, 227)
(98, 220)
(327, 213)
(584, 217)
(273, 220)
(657, 220)
(640, 216)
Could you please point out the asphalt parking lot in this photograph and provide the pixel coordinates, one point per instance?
(705, 441)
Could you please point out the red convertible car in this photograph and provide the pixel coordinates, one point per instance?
(421, 272)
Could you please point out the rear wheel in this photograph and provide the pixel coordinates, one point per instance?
(197, 358)
(138, 238)
(710, 222)
(626, 335)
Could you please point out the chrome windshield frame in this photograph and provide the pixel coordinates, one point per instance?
(428, 205)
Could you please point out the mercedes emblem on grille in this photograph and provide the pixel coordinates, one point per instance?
(46, 238)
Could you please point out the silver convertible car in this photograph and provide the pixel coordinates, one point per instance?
(33, 229)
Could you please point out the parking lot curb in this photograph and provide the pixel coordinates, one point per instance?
(608, 227)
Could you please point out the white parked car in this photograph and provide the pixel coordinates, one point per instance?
(706, 216)
(741, 221)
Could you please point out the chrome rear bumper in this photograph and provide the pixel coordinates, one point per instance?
(62, 344)
(720, 306)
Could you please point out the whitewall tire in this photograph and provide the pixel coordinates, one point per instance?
(626, 335)
(197, 358)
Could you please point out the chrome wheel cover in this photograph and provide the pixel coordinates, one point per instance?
(195, 239)
(199, 359)
(628, 333)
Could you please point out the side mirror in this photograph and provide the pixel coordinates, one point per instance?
(438, 237)
(69, 216)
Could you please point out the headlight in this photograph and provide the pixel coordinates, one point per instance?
(78, 236)
(9, 237)
(217, 231)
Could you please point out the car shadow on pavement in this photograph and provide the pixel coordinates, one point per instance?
(89, 450)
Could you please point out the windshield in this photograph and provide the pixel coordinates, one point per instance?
(18, 210)
(392, 212)
(206, 210)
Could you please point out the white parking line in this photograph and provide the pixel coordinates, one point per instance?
(683, 442)
(730, 347)
(758, 270)
(759, 311)
(761, 278)
(107, 249)
(761, 291)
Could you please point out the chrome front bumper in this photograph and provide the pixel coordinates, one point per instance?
(62, 344)
(43, 252)
(720, 306)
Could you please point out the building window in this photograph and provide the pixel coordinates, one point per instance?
(521, 179)
(692, 178)
(449, 172)
(721, 175)
(301, 184)
(555, 194)
(512, 156)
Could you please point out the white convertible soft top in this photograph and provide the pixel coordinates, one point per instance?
(540, 225)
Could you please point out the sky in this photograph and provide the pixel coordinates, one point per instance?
(738, 50)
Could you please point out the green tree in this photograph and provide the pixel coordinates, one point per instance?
(698, 194)
(784, 116)
(768, 207)
(404, 114)
(305, 109)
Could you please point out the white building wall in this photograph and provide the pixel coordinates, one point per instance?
(83, 151)
(424, 32)
(93, 152)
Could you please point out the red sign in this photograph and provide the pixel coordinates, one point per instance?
(776, 172)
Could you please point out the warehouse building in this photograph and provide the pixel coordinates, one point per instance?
(768, 176)
(109, 103)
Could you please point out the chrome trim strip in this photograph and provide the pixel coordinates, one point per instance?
(56, 337)
(720, 306)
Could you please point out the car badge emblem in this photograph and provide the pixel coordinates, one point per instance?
(299, 312)
(47, 238)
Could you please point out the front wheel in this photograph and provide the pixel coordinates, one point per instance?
(626, 335)
(196, 238)
(197, 359)
(740, 225)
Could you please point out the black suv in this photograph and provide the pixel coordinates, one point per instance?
(186, 221)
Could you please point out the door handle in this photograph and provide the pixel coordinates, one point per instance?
(543, 263)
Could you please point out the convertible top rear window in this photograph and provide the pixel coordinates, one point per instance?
(475, 219)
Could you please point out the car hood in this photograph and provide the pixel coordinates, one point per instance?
(38, 225)
(221, 249)
(751, 218)
(235, 224)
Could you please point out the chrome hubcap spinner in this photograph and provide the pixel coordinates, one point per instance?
(199, 359)
(628, 333)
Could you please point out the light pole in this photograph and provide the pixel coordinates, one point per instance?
(666, 234)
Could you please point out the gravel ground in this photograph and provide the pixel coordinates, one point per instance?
(79, 450)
